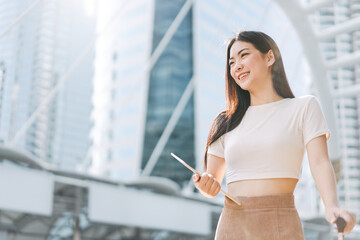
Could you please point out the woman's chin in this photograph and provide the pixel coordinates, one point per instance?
(244, 86)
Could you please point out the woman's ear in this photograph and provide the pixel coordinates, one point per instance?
(270, 57)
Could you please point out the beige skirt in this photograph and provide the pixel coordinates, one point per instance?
(264, 217)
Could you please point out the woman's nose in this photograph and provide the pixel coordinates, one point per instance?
(238, 66)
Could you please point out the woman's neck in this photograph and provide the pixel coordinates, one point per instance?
(264, 98)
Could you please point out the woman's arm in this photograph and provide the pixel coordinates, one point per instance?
(324, 176)
(209, 183)
(322, 170)
(216, 167)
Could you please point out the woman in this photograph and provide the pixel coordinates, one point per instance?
(259, 143)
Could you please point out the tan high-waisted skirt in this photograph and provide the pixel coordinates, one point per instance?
(267, 217)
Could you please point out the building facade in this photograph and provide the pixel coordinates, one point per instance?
(36, 54)
(120, 86)
(343, 76)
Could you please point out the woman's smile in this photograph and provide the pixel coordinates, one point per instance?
(242, 76)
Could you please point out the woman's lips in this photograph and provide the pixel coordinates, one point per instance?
(242, 76)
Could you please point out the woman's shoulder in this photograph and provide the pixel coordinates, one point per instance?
(307, 97)
(302, 103)
(304, 100)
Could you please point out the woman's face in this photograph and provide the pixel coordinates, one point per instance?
(248, 66)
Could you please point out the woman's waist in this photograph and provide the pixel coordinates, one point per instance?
(272, 201)
(262, 187)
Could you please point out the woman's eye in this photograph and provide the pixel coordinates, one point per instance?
(231, 63)
(244, 54)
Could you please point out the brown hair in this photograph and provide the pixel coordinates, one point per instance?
(237, 99)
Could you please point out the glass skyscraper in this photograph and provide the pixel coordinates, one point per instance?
(34, 56)
(168, 79)
(120, 87)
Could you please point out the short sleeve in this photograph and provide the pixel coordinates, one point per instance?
(314, 124)
(217, 147)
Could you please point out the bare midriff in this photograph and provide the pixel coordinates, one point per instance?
(261, 187)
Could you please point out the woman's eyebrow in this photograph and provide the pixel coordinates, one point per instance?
(239, 52)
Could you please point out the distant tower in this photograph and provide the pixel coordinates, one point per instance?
(34, 56)
(347, 107)
(168, 80)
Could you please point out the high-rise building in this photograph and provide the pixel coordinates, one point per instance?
(35, 55)
(168, 80)
(147, 58)
(342, 76)
(120, 86)
(2, 78)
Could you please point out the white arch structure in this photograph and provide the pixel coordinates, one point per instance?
(297, 14)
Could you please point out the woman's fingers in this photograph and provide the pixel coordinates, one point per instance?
(350, 221)
(349, 218)
(207, 183)
(204, 179)
(215, 188)
(196, 178)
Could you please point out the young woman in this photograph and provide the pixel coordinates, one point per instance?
(258, 142)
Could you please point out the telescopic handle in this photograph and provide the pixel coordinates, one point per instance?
(340, 224)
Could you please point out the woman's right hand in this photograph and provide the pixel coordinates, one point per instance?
(207, 184)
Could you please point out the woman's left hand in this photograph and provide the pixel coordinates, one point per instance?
(334, 212)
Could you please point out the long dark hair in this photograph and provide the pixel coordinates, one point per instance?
(237, 99)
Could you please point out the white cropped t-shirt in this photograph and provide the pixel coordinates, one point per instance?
(270, 140)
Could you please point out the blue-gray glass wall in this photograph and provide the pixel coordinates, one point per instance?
(168, 80)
